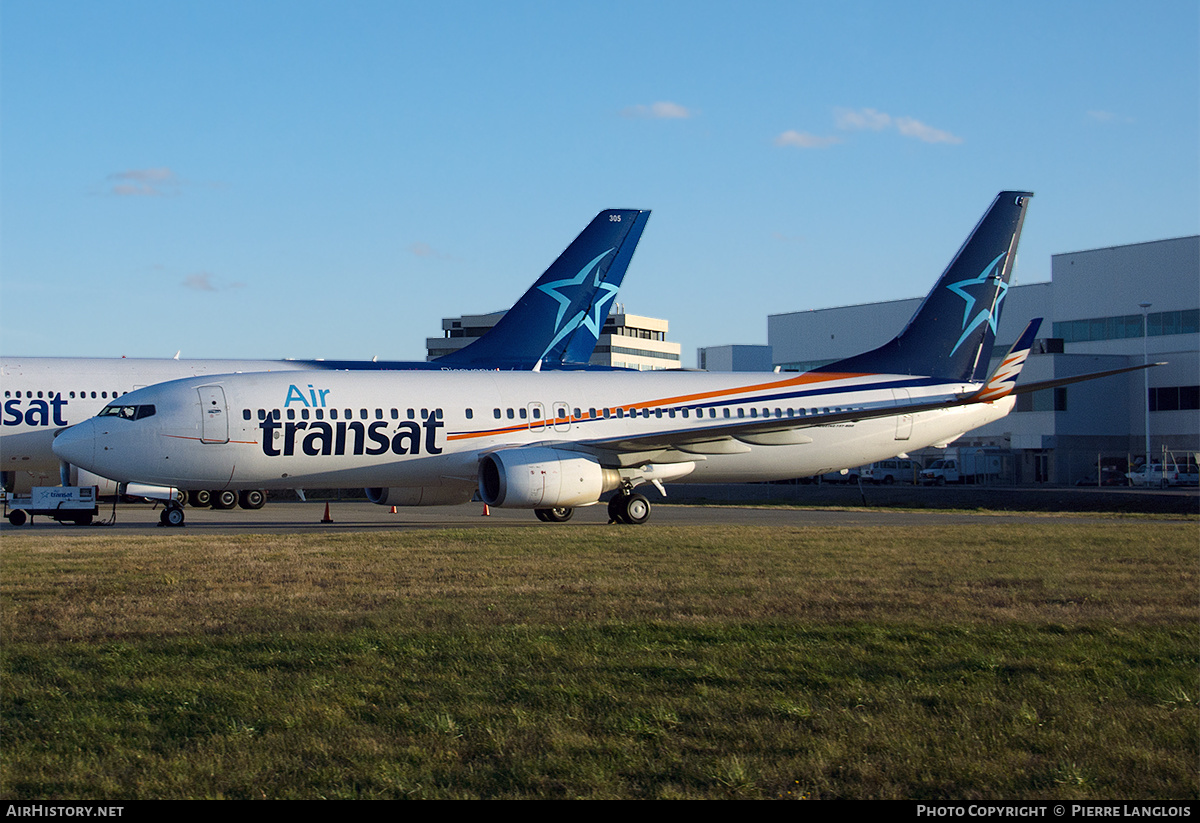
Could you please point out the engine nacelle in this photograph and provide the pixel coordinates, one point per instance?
(537, 478)
(420, 496)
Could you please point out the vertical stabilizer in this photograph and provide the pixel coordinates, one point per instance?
(559, 319)
(952, 334)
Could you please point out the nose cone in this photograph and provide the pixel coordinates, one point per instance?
(77, 445)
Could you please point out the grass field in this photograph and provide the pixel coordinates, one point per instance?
(995, 661)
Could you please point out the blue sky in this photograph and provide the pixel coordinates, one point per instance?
(321, 179)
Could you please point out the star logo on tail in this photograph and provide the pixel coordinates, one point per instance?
(986, 314)
(559, 291)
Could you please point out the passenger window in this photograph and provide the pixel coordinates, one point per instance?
(470, 413)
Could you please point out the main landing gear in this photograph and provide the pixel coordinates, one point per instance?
(628, 507)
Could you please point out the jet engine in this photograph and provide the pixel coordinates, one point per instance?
(420, 495)
(539, 477)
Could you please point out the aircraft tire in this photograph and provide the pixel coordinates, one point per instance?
(540, 514)
(616, 509)
(172, 516)
(252, 499)
(559, 515)
(224, 499)
(200, 499)
(636, 509)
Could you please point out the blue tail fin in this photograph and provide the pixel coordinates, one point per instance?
(952, 334)
(559, 319)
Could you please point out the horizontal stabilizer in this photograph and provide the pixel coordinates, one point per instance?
(1026, 388)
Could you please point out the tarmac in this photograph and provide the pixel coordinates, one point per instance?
(761, 504)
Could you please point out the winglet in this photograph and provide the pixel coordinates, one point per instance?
(1004, 378)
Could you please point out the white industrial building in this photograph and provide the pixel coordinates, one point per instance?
(628, 341)
(1101, 310)
(734, 358)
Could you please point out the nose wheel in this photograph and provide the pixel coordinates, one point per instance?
(172, 515)
(629, 508)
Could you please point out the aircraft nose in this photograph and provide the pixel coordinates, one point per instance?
(77, 445)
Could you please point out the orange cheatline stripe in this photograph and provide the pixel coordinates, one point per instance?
(799, 380)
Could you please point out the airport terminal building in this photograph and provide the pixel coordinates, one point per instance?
(627, 341)
(1102, 309)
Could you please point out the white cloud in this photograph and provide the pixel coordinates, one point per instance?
(203, 281)
(862, 119)
(874, 120)
(804, 140)
(662, 110)
(156, 182)
(1101, 116)
(911, 127)
(200, 281)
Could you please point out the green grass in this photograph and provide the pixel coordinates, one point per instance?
(992, 662)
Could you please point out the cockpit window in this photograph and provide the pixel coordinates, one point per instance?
(128, 412)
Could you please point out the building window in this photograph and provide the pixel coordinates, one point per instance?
(1174, 398)
(1123, 327)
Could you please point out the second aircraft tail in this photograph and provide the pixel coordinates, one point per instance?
(558, 320)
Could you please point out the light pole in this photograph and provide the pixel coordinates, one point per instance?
(1146, 379)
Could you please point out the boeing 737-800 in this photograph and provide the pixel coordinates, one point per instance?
(552, 441)
(555, 324)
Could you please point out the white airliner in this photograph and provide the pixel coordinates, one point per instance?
(555, 324)
(552, 441)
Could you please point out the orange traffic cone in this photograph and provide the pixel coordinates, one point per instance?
(326, 518)
(486, 511)
(393, 509)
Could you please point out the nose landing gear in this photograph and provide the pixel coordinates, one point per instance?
(172, 515)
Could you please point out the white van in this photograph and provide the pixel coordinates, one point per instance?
(896, 470)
